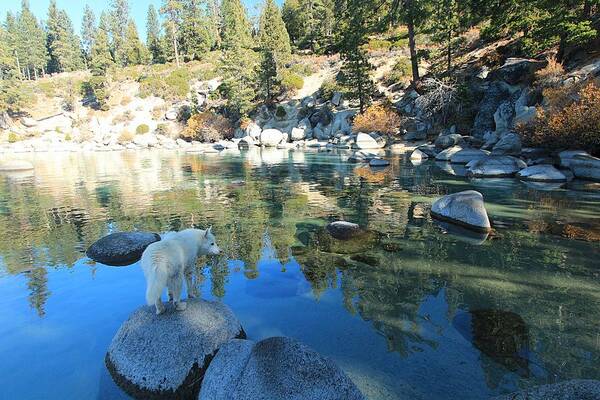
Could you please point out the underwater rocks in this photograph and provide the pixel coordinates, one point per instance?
(121, 248)
(343, 230)
(274, 368)
(165, 356)
(576, 389)
(464, 208)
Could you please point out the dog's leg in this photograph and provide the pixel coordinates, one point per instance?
(160, 307)
(189, 282)
(177, 286)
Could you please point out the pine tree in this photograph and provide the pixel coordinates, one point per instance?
(315, 21)
(356, 68)
(236, 30)
(134, 50)
(153, 36)
(239, 80)
(213, 12)
(88, 31)
(291, 17)
(30, 43)
(101, 56)
(8, 66)
(445, 24)
(274, 45)
(119, 18)
(61, 42)
(172, 10)
(195, 36)
(11, 35)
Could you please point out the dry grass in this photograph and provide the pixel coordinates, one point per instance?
(551, 74)
(377, 119)
(126, 136)
(569, 122)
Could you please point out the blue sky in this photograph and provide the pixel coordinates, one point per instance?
(138, 9)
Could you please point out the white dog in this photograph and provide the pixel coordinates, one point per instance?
(165, 262)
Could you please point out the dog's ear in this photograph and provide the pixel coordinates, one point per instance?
(209, 230)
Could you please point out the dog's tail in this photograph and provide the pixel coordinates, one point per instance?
(156, 280)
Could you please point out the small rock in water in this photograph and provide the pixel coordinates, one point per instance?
(365, 259)
(121, 248)
(463, 208)
(165, 356)
(276, 368)
(343, 230)
(379, 162)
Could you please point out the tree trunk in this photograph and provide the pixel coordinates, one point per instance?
(449, 49)
(175, 47)
(19, 66)
(413, 47)
(587, 9)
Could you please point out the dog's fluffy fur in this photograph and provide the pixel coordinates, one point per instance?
(165, 263)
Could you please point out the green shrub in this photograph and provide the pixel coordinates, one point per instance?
(141, 129)
(161, 129)
(174, 86)
(401, 72)
(68, 137)
(95, 92)
(400, 43)
(291, 82)
(13, 137)
(379, 44)
(280, 112)
(329, 87)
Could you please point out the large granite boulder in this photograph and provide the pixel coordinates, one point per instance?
(418, 156)
(271, 137)
(464, 156)
(276, 368)
(576, 389)
(447, 154)
(253, 130)
(518, 70)
(495, 167)
(541, 173)
(15, 165)
(493, 97)
(586, 167)
(464, 208)
(121, 248)
(445, 141)
(366, 141)
(509, 144)
(165, 356)
(566, 156)
(504, 115)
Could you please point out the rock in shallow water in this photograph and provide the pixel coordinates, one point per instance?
(277, 368)
(542, 173)
(121, 248)
(165, 356)
(343, 230)
(463, 208)
(495, 167)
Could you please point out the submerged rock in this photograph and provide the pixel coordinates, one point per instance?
(121, 248)
(463, 208)
(542, 173)
(165, 356)
(276, 368)
(576, 389)
(343, 230)
(379, 162)
(495, 166)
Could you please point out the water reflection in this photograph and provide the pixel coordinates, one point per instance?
(410, 280)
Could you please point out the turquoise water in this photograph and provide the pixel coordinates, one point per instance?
(414, 311)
